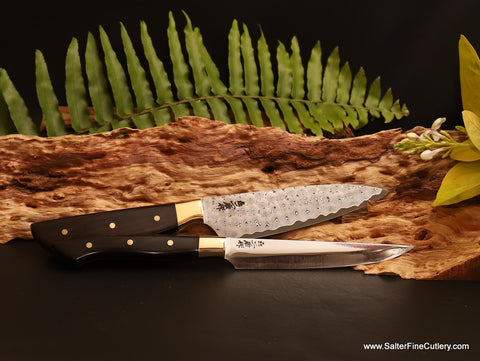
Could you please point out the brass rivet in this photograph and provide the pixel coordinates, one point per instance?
(89, 245)
(170, 242)
(64, 232)
(112, 225)
(130, 242)
(156, 218)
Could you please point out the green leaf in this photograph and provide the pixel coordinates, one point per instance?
(465, 152)
(343, 95)
(316, 99)
(357, 97)
(47, 98)
(16, 106)
(118, 82)
(386, 105)
(181, 72)
(235, 72)
(6, 126)
(267, 81)
(138, 79)
(472, 126)
(98, 86)
(163, 86)
(75, 89)
(469, 75)
(314, 88)
(460, 183)
(298, 89)
(373, 98)
(315, 73)
(219, 108)
(251, 78)
(330, 77)
(284, 89)
(205, 72)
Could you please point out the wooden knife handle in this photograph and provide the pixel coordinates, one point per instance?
(131, 221)
(89, 249)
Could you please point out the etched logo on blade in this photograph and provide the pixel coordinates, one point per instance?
(249, 243)
(229, 205)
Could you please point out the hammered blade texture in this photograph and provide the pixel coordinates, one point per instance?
(262, 213)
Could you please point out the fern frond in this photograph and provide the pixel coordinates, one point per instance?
(75, 90)
(138, 79)
(251, 78)
(98, 87)
(118, 81)
(6, 126)
(236, 83)
(160, 79)
(47, 98)
(267, 83)
(16, 106)
(262, 89)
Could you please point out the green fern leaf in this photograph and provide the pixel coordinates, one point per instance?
(47, 98)
(267, 83)
(138, 79)
(16, 106)
(357, 97)
(98, 88)
(75, 90)
(205, 73)
(6, 126)
(317, 98)
(120, 89)
(236, 83)
(284, 89)
(298, 89)
(181, 72)
(251, 78)
(160, 80)
(343, 95)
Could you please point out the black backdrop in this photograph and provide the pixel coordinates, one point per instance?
(207, 311)
(411, 44)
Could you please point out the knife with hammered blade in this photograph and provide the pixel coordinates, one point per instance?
(242, 253)
(249, 215)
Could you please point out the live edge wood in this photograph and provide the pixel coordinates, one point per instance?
(45, 178)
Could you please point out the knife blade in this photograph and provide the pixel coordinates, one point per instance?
(242, 253)
(251, 215)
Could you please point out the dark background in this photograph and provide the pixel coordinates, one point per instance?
(206, 310)
(411, 44)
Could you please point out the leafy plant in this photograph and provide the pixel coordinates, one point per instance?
(463, 180)
(319, 98)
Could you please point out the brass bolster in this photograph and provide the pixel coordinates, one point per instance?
(211, 247)
(188, 211)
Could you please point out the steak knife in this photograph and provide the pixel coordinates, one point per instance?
(249, 215)
(242, 253)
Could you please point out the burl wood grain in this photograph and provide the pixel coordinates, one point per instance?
(45, 178)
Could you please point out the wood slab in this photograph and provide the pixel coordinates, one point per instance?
(43, 178)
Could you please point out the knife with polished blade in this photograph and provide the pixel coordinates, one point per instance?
(250, 215)
(242, 253)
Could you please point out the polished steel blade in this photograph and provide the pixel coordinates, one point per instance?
(263, 213)
(288, 254)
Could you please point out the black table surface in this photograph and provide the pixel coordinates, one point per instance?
(206, 310)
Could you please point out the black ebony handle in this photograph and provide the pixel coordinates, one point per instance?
(88, 249)
(131, 221)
